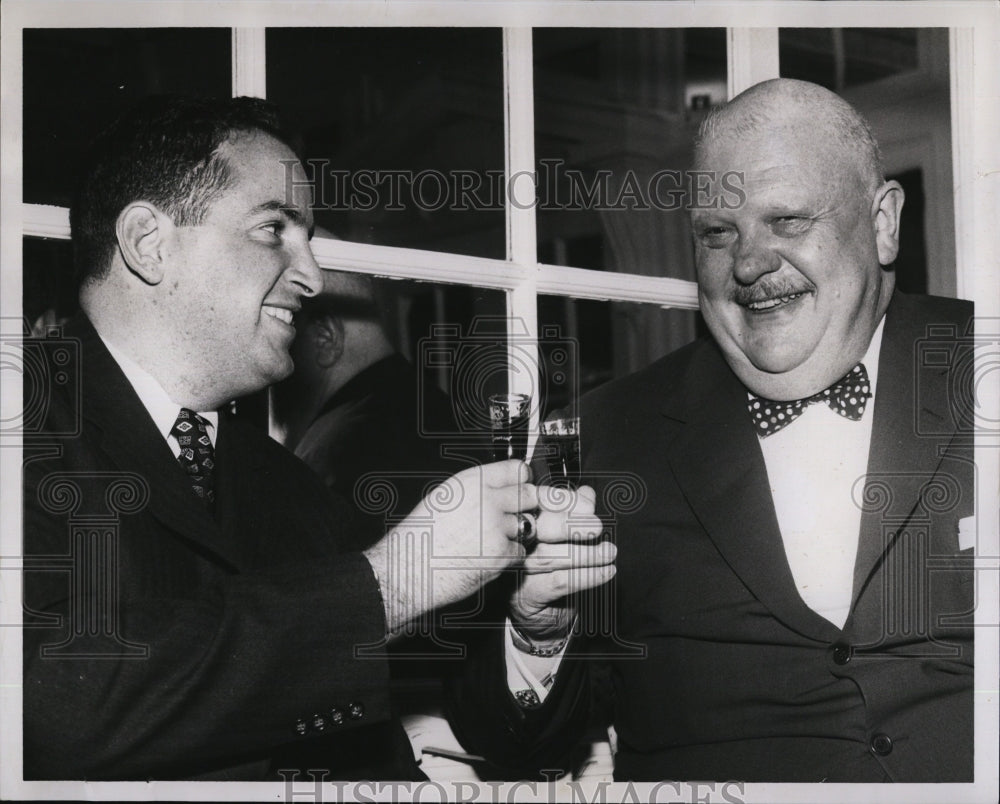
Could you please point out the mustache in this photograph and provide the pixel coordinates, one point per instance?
(768, 288)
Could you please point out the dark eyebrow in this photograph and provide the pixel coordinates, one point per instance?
(292, 213)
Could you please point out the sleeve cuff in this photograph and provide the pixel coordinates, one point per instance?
(529, 678)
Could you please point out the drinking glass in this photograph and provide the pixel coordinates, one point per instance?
(509, 414)
(561, 444)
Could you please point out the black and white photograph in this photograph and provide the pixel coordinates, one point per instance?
(557, 401)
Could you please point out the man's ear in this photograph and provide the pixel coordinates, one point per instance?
(141, 231)
(328, 333)
(887, 208)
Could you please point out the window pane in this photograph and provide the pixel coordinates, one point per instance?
(615, 114)
(838, 58)
(77, 81)
(49, 292)
(911, 264)
(898, 78)
(592, 342)
(405, 130)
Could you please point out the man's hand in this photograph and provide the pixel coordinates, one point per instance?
(458, 538)
(568, 558)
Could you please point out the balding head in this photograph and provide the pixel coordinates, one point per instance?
(782, 106)
(794, 279)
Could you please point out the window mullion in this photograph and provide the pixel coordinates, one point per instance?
(519, 125)
(963, 109)
(752, 56)
(416, 264)
(519, 121)
(41, 220)
(249, 62)
(585, 283)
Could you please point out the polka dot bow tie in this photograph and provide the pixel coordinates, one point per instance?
(848, 397)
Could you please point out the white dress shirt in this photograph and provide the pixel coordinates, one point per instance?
(161, 407)
(816, 468)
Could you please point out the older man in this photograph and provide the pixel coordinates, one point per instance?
(190, 609)
(798, 580)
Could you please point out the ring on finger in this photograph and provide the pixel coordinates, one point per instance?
(526, 528)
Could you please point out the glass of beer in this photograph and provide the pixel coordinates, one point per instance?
(509, 415)
(561, 437)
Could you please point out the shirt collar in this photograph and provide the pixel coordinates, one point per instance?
(157, 402)
(870, 360)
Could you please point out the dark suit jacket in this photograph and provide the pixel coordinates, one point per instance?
(724, 672)
(162, 642)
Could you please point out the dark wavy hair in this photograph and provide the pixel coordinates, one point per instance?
(165, 150)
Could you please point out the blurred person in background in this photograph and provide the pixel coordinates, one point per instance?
(354, 409)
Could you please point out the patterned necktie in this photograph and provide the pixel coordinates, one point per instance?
(848, 397)
(197, 453)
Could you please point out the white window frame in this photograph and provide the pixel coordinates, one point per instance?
(752, 56)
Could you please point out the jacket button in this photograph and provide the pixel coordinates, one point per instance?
(301, 727)
(336, 716)
(881, 745)
(356, 711)
(318, 723)
(841, 654)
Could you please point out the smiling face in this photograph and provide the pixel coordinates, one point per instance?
(791, 283)
(235, 280)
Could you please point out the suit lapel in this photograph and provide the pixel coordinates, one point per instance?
(718, 463)
(910, 397)
(239, 482)
(127, 435)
